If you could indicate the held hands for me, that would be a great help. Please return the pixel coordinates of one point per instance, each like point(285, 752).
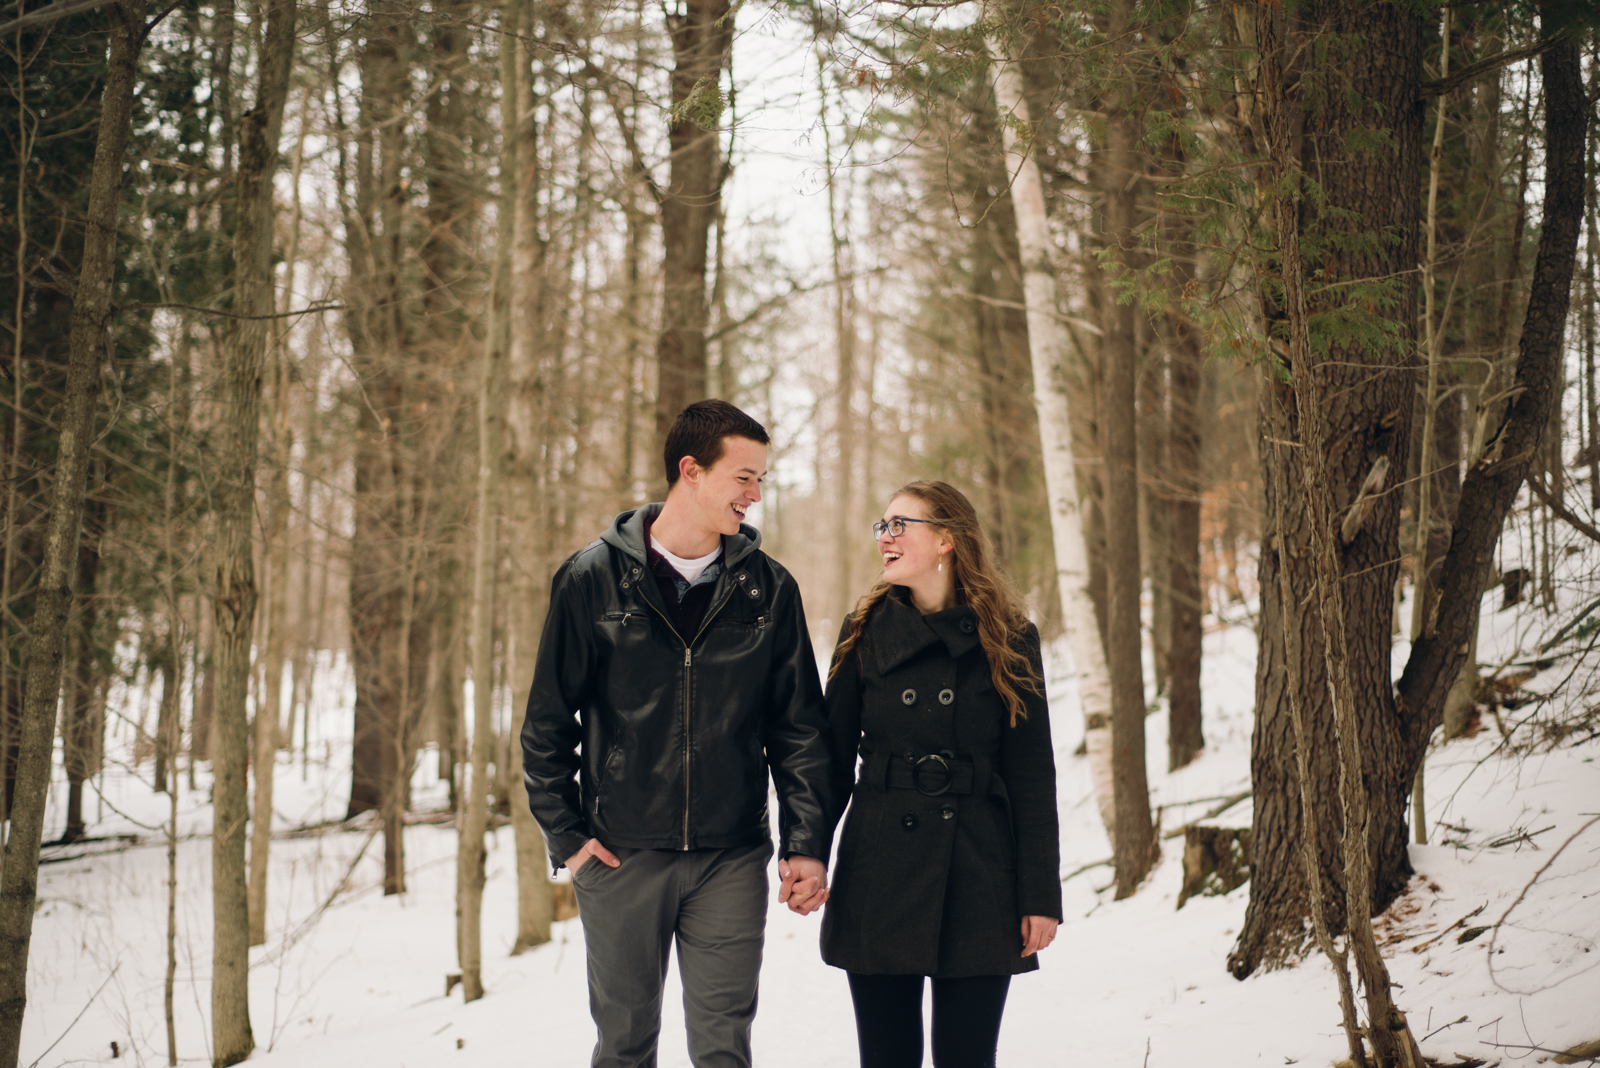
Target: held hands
point(805, 884)
point(592, 848)
point(1037, 933)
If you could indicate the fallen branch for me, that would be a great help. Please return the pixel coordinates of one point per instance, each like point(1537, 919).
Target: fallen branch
point(1210, 813)
point(1420, 946)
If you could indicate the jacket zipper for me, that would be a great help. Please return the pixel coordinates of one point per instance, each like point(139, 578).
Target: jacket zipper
point(688, 662)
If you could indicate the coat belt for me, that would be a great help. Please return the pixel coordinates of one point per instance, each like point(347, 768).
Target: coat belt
point(930, 774)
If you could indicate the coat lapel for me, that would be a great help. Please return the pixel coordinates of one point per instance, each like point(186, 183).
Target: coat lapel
point(898, 632)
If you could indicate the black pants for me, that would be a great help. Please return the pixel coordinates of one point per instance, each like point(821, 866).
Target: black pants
point(966, 1020)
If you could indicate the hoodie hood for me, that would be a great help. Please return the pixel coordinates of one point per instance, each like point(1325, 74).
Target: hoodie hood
point(627, 533)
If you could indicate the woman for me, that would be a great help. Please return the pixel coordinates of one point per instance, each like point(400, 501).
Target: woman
point(949, 866)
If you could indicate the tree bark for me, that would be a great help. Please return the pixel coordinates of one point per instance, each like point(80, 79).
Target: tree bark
point(1055, 436)
point(701, 36)
point(1392, 1042)
point(1181, 477)
point(82, 729)
point(1185, 733)
point(35, 738)
point(1368, 391)
point(277, 617)
point(1134, 846)
point(243, 357)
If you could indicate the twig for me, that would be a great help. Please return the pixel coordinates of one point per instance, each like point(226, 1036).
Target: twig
point(1560, 510)
point(1211, 813)
point(59, 10)
point(310, 921)
point(1442, 1027)
point(1420, 946)
point(1486, 65)
point(1524, 893)
point(228, 314)
point(76, 1018)
point(1087, 867)
point(1518, 836)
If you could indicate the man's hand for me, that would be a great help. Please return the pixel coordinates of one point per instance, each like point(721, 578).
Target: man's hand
point(805, 884)
point(591, 848)
point(1037, 933)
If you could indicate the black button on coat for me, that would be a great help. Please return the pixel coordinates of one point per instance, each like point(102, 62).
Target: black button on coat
point(938, 885)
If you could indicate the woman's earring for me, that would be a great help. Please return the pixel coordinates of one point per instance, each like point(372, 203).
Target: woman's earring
point(941, 563)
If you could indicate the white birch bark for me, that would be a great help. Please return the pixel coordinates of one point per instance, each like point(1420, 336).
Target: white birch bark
point(1055, 432)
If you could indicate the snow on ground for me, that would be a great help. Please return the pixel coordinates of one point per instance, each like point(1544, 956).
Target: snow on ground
point(1131, 983)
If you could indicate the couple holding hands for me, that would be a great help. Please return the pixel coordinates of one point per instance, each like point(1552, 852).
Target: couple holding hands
point(676, 674)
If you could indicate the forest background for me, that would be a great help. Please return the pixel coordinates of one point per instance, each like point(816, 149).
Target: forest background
point(336, 327)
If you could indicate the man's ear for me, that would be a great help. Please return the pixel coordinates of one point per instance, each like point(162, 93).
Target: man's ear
point(689, 471)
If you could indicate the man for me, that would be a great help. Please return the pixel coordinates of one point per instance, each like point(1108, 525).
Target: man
point(682, 649)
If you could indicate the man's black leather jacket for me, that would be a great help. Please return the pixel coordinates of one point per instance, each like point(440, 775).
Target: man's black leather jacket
point(677, 731)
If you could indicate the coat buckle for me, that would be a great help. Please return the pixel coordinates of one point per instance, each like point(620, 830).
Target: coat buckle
point(937, 766)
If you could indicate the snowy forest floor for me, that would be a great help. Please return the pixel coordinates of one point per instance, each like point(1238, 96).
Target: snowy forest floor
point(1132, 983)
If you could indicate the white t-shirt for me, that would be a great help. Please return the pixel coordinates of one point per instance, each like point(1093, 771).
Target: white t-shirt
point(689, 569)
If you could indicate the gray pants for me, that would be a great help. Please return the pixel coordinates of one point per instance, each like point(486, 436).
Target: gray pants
point(714, 901)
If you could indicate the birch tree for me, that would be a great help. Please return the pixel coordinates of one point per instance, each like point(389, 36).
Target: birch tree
point(1055, 433)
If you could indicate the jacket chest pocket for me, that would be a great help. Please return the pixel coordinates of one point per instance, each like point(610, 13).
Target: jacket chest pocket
point(622, 628)
point(734, 632)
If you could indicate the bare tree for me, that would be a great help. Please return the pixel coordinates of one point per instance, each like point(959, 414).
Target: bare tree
point(243, 358)
point(473, 796)
point(91, 308)
point(701, 35)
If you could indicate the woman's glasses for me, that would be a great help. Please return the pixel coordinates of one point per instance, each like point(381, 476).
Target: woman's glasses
point(896, 526)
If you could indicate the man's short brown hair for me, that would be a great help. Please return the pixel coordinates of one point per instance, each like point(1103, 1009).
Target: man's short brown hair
point(699, 431)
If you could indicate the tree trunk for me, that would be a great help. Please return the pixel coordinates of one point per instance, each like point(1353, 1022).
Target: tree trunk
point(701, 36)
point(381, 569)
point(533, 491)
point(1134, 844)
point(81, 729)
point(1055, 436)
point(473, 794)
point(1492, 481)
point(1392, 1042)
point(35, 737)
point(1367, 409)
point(244, 353)
point(277, 617)
point(845, 537)
point(1185, 738)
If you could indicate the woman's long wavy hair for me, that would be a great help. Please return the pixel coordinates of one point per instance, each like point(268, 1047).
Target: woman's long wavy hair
point(1002, 617)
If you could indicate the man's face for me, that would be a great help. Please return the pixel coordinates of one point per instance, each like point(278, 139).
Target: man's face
point(724, 491)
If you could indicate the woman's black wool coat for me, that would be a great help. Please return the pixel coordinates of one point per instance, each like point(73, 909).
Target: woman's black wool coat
point(933, 883)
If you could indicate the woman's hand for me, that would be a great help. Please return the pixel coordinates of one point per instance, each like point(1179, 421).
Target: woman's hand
point(1037, 933)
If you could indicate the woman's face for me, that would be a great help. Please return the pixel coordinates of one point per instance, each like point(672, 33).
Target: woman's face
point(915, 555)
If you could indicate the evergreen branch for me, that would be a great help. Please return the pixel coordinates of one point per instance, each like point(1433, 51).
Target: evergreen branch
point(1487, 65)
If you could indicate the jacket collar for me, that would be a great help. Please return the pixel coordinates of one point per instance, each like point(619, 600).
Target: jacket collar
point(899, 632)
point(627, 532)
